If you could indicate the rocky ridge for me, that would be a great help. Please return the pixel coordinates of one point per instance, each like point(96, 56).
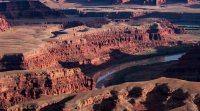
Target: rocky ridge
point(21, 86)
point(94, 47)
point(91, 48)
point(155, 95)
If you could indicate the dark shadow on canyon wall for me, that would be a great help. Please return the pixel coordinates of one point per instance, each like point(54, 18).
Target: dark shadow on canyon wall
point(194, 6)
point(94, 23)
point(57, 106)
point(190, 18)
point(93, 3)
point(72, 24)
point(135, 92)
point(56, 33)
point(107, 104)
point(197, 101)
point(177, 99)
point(11, 62)
point(161, 98)
point(116, 57)
point(187, 68)
point(156, 98)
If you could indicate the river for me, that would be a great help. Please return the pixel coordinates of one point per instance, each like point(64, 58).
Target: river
point(107, 73)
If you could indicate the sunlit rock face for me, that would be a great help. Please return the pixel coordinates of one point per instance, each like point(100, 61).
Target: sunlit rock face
point(3, 24)
point(21, 86)
point(162, 94)
point(94, 47)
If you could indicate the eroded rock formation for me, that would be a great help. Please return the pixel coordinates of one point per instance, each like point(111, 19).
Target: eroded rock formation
point(156, 95)
point(26, 9)
point(94, 47)
point(3, 24)
point(90, 48)
point(21, 86)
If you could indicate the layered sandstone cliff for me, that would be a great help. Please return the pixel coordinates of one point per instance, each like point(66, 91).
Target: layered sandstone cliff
point(21, 86)
point(88, 48)
point(155, 95)
point(3, 24)
point(94, 47)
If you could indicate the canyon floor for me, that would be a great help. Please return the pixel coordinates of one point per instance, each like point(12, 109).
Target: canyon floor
point(96, 56)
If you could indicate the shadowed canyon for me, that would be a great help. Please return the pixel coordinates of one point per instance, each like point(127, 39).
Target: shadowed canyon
point(92, 55)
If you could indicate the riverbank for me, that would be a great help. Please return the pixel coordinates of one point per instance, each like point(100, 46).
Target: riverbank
point(137, 73)
point(161, 51)
point(159, 61)
point(106, 76)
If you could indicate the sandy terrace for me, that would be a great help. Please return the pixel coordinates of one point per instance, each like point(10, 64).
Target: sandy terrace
point(24, 38)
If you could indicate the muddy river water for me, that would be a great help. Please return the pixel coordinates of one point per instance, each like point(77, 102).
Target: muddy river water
point(109, 72)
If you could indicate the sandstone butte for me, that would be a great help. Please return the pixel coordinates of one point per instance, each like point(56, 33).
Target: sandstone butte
point(155, 95)
point(94, 47)
point(3, 24)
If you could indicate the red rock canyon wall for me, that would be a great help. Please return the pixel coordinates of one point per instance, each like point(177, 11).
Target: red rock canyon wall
point(20, 86)
point(94, 47)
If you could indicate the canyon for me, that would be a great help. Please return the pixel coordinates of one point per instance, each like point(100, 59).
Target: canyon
point(94, 47)
point(43, 76)
point(82, 51)
point(51, 53)
point(162, 93)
